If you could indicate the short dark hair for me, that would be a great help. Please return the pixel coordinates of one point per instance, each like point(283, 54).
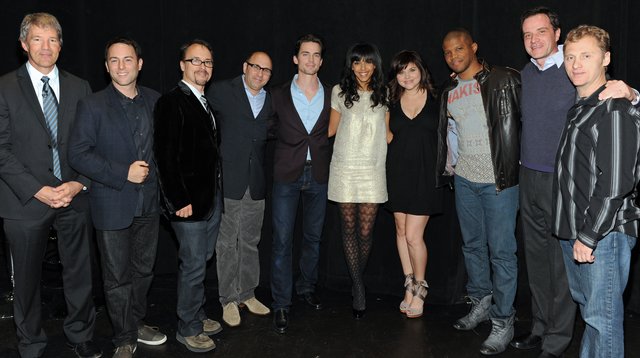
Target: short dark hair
point(125, 41)
point(185, 46)
point(458, 32)
point(309, 38)
point(554, 19)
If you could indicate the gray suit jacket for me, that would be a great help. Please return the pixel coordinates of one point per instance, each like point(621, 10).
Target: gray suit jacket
point(243, 138)
point(26, 161)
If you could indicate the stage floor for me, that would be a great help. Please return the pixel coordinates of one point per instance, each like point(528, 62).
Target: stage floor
point(331, 332)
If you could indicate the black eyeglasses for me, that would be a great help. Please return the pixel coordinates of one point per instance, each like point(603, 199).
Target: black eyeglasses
point(197, 62)
point(266, 71)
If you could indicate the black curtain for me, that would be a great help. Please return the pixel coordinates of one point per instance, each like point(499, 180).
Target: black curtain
point(237, 28)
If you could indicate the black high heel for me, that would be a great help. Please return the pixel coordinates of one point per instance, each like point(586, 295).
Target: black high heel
point(358, 314)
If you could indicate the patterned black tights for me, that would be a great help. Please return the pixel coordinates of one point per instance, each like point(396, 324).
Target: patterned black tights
point(357, 245)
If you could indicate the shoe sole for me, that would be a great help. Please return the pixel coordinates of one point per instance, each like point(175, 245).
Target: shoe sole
point(181, 339)
point(153, 343)
point(211, 333)
point(73, 348)
point(243, 306)
point(231, 325)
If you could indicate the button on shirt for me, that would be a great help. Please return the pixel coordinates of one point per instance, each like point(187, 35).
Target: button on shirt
point(140, 125)
point(308, 110)
point(257, 101)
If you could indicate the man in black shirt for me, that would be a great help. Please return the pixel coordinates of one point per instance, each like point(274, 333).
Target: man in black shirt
point(594, 191)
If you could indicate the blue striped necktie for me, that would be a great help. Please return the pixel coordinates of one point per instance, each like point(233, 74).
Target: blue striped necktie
point(50, 109)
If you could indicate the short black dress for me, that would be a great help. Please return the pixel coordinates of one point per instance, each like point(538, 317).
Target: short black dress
point(411, 161)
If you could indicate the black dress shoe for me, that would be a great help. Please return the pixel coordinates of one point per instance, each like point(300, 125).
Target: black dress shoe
point(280, 320)
point(357, 314)
point(311, 299)
point(86, 349)
point(544, 354)
point(526, 341)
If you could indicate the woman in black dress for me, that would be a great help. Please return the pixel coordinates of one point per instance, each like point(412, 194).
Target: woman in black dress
point(411, 181)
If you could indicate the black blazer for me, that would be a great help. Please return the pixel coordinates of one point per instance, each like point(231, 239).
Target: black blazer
point(102, 148)
point(243, 138)
point(186, 151)
point(292, 139)
point(26, 161)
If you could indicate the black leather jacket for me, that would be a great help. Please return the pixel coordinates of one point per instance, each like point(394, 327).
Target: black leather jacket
point(500, 90)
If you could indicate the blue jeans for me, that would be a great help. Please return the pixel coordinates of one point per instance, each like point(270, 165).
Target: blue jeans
point(285, 206)
point(488, 221)
point(598, 288)
point(127, 257)
point(197, 241)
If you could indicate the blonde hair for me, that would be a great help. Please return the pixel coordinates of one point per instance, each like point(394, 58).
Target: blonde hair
point(600, 35)
point(40, 19)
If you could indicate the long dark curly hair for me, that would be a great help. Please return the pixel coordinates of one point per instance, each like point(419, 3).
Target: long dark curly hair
point(349, 85)
point(400, 61)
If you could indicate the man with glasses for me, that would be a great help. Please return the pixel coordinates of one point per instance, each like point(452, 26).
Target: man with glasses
point(242, 107)
point(187, 156)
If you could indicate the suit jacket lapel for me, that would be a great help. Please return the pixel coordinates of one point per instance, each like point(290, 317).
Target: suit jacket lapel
point(241, 95)
point(29, 93)
point(196, 103)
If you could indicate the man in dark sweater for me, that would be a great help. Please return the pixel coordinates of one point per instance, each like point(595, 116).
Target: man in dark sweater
point(547, 95)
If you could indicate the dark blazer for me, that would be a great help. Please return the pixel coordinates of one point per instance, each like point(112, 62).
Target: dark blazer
point(187, 154)
point(292, 139)
point(243, 138)
point(26, 161)
point(101, 147)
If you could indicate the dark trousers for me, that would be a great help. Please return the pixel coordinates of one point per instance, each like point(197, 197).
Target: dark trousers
point(127, 257)
point(197, 240)
point(552, 307)
point(285, 206)
point(28, 242)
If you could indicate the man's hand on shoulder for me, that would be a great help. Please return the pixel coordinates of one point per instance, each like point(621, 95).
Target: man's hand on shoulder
point(619, 89)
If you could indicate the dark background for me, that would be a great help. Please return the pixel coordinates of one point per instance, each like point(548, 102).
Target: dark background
point(237, 28)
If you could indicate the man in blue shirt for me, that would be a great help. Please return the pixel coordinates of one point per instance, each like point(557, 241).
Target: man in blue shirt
point(301, 169)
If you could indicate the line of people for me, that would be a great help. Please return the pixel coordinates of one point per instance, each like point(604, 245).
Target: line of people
point(117, 159)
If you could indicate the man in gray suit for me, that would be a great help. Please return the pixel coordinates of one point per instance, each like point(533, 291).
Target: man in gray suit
point(112, 144)
point(242, 106)
point(39, 190)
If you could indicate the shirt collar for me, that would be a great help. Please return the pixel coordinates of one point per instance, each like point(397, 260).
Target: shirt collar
point(295, 86)
point(591, 100)
point(193, 89)
point(35, 74)
point(555, 59)
point(248, 90)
